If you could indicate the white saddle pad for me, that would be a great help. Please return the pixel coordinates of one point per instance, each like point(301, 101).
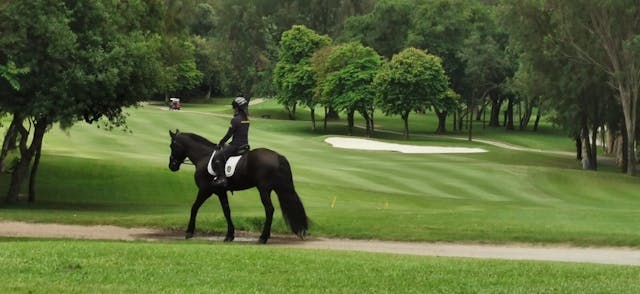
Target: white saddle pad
point(229, 167)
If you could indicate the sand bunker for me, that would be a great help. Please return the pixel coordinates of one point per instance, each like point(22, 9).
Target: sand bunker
point(366, 144)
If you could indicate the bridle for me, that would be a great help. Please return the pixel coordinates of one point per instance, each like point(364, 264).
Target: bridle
point(172, 160)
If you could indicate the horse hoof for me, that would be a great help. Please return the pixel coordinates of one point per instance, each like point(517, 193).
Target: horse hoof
point(188, 235)
point(263, 240)
point(229, 238)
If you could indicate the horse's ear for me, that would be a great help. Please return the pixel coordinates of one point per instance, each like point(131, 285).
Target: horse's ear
point(177, 131)
point(172, 134)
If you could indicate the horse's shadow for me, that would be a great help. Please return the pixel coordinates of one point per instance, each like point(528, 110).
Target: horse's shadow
point(242, 238)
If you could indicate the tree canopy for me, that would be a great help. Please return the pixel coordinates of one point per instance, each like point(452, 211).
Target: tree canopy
point(85, 62)
point(412, 81)
point(293, 75)
point(350, 70)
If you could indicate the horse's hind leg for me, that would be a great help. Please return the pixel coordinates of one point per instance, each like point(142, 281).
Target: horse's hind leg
point(194, 212)
point(265, 196)
point(224, 202)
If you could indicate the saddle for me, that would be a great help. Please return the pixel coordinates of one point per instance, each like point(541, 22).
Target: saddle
point(231, 159)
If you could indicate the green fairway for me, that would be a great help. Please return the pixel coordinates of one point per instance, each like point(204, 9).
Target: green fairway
point(116, 267)
point(92, 176)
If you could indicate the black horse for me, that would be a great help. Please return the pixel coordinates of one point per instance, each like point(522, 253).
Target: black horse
point(261, 168)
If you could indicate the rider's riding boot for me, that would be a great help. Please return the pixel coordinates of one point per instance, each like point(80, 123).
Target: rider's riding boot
point(220, 179)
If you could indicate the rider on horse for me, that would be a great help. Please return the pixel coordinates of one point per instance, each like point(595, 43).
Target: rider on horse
point(239, 130)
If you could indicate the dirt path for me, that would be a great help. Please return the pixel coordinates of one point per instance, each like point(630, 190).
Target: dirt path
point(620, 256)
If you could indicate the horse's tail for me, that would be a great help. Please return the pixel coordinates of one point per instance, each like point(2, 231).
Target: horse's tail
point(292, 208)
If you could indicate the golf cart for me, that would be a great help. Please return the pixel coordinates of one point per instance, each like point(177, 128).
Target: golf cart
point(174, 103)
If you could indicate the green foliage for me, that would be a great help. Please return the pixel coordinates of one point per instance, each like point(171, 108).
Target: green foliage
point(293, 75)
point(384, 29)
point(449, 101)
point(180, 70)
point(440, 27)
point(86, 62)
point(584, 46)
point(83, 62)
point(10, 72)
point(412, 81)
point(349, 73)
point(352, 68)
point(244, 39)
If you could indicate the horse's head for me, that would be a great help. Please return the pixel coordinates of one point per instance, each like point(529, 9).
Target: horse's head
point(178, 152)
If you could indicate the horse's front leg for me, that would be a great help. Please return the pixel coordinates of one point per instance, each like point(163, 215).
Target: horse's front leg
point(265, 196)
point(224, 202)
point(202, 196)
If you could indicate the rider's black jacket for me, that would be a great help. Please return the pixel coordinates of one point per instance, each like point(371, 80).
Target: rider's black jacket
point(239, 129)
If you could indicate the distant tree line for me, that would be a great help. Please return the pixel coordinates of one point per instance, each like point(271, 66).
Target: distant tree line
point(505, 62)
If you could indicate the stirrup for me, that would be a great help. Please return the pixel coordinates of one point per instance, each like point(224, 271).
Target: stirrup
point(219, 181)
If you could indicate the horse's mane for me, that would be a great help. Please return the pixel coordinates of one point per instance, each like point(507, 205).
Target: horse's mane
point(199, 139)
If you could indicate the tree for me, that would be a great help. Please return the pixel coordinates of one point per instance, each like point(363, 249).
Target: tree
point(616, 28)
point(351, 69)
point(208, 64)
point(464, 34)
point(180, 71)
point(85, 63)
point(411, 81)
point(441, 27)
point(293, 75)
point(449, 101)
point(488, 65)
point(321, 69)
point(599, 34)
point(243, 35)
point(384, 29)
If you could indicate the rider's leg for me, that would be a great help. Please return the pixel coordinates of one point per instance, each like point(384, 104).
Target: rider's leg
point(220, 178)
point(219, 163)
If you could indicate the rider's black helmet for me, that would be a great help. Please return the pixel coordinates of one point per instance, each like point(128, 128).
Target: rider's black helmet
point(239, 102)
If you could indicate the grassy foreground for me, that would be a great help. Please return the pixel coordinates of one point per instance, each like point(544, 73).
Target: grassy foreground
point(30, 266)
point(91, 176)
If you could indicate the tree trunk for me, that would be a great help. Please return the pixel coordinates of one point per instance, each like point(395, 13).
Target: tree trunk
point(484, 116)
point(313, 118)
point(455, 121)
point(405, 118)
point(207, 95)
point(578, 147)
point(496, 104)
point(625, 146)
point(326, 111)
point(509, 123)
point(587, 162)
point(10, 138)
point(333, 114)
point(526, 117)
point(535, 125)
point(594, 148)
point(20, 170)
point(26, 155)
point(470, 126)
point(590, 161)
point(32, 177)
point(367, 122)
point(442, 122)
point(373, 111)
point(350, 121)
point(631, 145)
